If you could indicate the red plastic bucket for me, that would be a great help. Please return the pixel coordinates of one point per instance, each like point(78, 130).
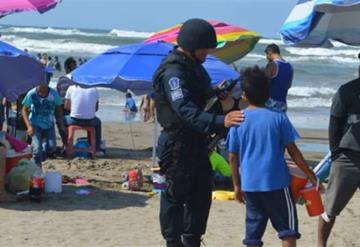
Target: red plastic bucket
point(313, 201)
point(298, 180)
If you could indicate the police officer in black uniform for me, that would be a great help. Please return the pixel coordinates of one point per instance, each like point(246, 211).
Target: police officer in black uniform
point(182, 88)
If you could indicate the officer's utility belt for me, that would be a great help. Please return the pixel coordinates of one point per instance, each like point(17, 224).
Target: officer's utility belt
point(186, 136)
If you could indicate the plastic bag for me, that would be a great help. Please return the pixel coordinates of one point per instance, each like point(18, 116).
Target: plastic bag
point(18, 179)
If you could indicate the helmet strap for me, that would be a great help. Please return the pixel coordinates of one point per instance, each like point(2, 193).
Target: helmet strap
point(192, 53)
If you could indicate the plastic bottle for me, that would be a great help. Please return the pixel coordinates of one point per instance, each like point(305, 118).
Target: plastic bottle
point(36, 188)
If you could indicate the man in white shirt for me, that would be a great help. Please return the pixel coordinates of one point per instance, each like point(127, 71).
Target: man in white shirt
point(83, 103)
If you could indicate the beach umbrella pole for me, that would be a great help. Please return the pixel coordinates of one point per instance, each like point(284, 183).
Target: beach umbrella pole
point(155, 135)
point(132, 135)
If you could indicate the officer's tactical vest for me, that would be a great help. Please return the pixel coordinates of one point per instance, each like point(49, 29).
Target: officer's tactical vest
point(201, 88)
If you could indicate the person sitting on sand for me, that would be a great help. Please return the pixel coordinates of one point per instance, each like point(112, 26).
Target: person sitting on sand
point(256, 154)
point(130, 104)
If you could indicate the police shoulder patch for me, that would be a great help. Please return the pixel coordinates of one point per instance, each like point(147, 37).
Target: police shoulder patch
point(174, 83)
point(177, 94)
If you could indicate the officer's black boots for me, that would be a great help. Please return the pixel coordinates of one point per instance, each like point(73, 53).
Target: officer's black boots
point(187, 241)
point(191, 240)
point(174, 244)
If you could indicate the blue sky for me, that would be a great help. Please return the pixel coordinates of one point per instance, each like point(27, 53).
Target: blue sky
point(263, 16)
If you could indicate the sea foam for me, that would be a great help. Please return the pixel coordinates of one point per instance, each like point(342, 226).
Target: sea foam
point(57, 46)
point(75, 32)
point(130, 34)
point(324, 52)
point(311, 91)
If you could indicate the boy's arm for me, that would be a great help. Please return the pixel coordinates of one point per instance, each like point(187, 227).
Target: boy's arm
point(25, 113)
point(299, 160)
point(234, 161)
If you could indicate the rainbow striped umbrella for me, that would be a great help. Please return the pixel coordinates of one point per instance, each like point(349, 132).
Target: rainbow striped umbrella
point(8, 7)
point(233, 42)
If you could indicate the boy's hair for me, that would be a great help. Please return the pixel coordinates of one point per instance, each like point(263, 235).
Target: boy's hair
point(128, 95)
point(68, 62)
point(255, 84)
point(273, 48)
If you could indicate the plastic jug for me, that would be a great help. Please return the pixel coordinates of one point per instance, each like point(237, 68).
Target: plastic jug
point(53, 182)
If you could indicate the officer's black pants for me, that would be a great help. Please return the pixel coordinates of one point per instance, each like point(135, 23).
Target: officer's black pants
point(185, 205)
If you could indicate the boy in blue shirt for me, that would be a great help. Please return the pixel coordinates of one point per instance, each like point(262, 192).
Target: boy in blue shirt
point(256, 154)
point(40, 106)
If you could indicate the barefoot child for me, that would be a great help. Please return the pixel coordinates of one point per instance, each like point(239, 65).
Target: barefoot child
point(260, 175)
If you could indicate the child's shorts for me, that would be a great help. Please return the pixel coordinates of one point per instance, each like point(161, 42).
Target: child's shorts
point(278, 206)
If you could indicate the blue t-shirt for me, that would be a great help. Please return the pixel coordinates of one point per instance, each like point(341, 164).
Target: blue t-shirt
point(42, 108)
point(130, 104)
point(260, 143)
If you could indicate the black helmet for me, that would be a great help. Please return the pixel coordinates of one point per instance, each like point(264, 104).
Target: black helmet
point(196, 34)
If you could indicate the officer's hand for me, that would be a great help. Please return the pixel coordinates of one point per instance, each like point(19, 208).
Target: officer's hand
point(233, 118)
point(223, 95)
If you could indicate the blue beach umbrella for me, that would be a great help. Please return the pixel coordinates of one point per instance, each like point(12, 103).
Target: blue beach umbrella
point(132, 67)
point(316, 22)
point(19, 71)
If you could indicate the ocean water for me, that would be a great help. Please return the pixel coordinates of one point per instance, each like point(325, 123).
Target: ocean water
point(318, 71)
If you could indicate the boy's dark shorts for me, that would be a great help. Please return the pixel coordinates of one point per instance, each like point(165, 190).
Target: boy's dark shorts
point(278, 206)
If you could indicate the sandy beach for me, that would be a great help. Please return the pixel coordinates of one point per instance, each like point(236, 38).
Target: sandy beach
point(114, 217)
point(309, 49)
